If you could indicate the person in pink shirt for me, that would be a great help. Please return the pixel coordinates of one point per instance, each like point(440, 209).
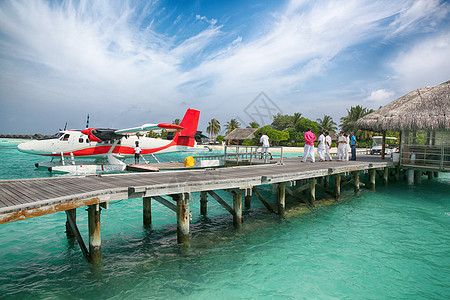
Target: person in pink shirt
point(309, 145)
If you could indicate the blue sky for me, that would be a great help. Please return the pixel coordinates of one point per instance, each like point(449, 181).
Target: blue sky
point(132, 62)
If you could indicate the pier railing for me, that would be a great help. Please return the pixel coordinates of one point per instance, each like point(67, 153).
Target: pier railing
point(429, 150)
point(250, 154)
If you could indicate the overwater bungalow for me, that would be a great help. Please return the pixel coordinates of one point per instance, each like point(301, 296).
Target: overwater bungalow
point(423, 119)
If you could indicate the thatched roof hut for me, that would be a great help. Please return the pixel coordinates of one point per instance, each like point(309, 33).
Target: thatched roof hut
point(427, 108)
point(241, 134)
point(423, 119)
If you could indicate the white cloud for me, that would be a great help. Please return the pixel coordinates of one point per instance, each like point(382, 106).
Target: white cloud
point(418, 11)
point(380, 95)
point(425, 63)
point(94, 56)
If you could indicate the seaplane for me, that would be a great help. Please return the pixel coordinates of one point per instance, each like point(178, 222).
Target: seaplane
point(108, 148)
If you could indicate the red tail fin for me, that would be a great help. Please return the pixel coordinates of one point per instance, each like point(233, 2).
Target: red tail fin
point(190, 122)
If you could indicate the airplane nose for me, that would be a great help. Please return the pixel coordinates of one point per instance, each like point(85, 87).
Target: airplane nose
point(26, 147)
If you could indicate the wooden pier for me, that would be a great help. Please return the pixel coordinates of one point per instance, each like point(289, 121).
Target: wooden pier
point(28, 198)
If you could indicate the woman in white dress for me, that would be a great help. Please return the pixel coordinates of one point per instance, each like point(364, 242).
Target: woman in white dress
point(342, 142)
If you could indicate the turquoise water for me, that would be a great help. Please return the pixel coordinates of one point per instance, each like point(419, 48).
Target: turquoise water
point(389, 244)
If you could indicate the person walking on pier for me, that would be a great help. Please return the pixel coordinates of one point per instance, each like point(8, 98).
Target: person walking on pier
point(353, 145)
point(265, 142)
point(137, 153)
point(328, 146)
point(309, 145)
point(321, 146)
point(347, 147)
point(342, 142)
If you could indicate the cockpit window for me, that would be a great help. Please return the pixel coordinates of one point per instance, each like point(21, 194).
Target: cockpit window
point(65, 137)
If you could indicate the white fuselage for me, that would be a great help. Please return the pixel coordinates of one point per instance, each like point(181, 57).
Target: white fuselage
point(73, 142)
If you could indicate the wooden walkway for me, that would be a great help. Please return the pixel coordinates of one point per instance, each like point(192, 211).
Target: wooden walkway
point(26, 198)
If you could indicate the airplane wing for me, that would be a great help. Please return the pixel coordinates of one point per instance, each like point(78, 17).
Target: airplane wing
point(149, 127)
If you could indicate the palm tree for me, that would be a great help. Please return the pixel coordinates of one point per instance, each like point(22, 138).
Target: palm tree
point(253, 125)
point(353, 115)
point(176, 121)
point(232, 125)
point(327, 123)
point(213, 127)
point(296, 119)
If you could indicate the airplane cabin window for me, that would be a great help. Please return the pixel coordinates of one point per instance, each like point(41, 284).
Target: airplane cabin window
point(87, 140)
point(80, 140)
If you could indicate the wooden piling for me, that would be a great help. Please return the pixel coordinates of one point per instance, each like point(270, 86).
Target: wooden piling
point(372, 174)
point(327, 182)
point(410, 177)
point(320, 180)
point(248, 200)
point(182, 218)
point(418, 176)
point(337, 187)
point(312, 190)
point(385, 176)
point(237, 207)
point(397, 174)
point(281, 195)
point(430, 175)
point(69, 232)
point(203, 203)
point(95, 240)
point(356, 181)
point(436, 174)
point(147, 211)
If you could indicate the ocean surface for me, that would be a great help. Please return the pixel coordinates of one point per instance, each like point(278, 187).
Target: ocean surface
point(390, 244)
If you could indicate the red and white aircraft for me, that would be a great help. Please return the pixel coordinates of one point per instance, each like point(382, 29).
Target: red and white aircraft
point(107, 145)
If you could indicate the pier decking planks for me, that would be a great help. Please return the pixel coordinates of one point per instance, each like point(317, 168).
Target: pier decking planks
point(17, 195)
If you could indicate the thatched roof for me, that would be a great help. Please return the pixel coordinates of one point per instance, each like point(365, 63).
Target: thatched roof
point(424, 108)
point(241, 134)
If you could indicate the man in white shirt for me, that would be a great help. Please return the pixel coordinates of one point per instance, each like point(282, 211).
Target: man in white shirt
point(264, 140)
point(137, 153)
point(328, 146)
point(321, 146)
point(342, 146)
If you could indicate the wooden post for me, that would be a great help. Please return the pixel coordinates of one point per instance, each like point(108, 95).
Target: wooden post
point(69, 232)
point(281, 195)
point(237, 207)
point(182, 219)
point(337, 187)
point(312, 190)
point(436, 174)
point(356, 176)
point(327, 182)
point(386, 176)
point(430, 175)
point(383, 144)
point(372, 174)
point(304, 182)
point(418, 176)
point(410, 177)
point(320, 180)
point(147, 211)
point(248, 199)
point(95, 240)
point(397, 174)
point(203, 203)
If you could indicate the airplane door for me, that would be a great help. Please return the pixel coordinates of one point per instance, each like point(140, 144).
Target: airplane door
point(63, 144)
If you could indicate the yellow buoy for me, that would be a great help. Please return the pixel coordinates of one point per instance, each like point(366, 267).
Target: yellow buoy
point(189, 162)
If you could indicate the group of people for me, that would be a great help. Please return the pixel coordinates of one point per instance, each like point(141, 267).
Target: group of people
point(345, 144)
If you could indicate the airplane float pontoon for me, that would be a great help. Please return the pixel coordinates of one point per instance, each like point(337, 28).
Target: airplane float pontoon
point(108, 147)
